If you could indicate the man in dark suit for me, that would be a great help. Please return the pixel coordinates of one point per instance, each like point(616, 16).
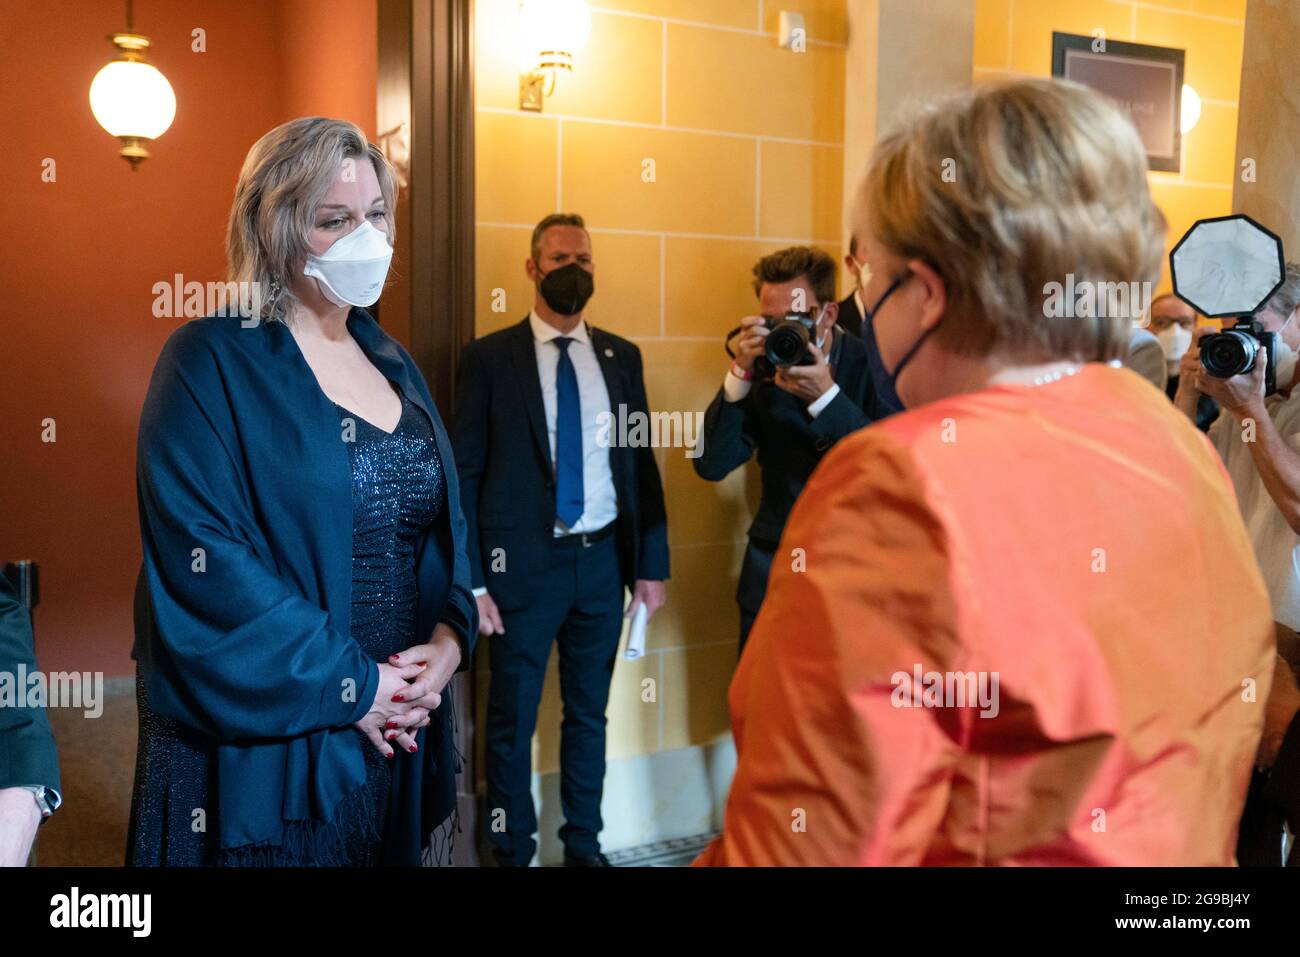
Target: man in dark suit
point(560, 520)
point(850, 319)
point(29, 761)
point(791, 419)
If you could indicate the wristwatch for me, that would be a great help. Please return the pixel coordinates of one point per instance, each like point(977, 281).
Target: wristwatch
point(41, 793)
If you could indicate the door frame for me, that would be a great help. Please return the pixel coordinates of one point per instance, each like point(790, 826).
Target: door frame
point(425, 121)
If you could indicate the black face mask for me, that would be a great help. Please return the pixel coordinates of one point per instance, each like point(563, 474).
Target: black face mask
point(869, 322)
point(567, 289)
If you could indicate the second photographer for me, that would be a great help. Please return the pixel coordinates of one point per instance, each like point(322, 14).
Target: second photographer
point(1251, 371)
point(1259, 437)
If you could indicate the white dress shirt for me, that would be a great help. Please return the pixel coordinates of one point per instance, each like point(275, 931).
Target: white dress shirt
point(1277, 546)
point(600, 500)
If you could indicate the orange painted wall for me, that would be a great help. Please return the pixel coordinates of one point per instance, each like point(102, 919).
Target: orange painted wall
point(78, 339)
point(323, 67)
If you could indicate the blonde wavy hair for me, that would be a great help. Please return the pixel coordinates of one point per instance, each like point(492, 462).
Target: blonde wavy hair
point(284, 179)
point(1006, 189)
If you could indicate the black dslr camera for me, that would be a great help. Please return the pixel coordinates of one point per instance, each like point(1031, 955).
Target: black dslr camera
point(787, 342)
point(1234, 352)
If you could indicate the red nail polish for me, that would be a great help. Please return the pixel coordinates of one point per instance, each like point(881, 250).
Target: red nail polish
point(389, 755)
point(390, 725)
point(414, 749)
point(398, 697)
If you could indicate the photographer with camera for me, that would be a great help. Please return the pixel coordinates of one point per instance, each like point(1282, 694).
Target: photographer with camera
point(796, 386)
point(1250, 370)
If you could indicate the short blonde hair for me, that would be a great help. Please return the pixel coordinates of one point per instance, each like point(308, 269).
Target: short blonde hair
point(284, 179)
point(1004, 190)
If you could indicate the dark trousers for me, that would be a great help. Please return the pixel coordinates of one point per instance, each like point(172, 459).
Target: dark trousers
point(581, 605)
point(754, 570)
point(1259, 838)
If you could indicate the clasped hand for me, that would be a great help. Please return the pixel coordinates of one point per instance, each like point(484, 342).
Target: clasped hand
point(410, 687)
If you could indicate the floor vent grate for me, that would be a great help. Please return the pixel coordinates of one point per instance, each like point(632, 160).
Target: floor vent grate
point(678, 852)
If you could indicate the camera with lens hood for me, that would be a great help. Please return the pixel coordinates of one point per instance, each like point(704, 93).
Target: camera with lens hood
point(1235, 350)
point(786, 344)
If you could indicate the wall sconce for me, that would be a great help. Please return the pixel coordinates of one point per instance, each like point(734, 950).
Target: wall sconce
point(550, 33)
point(791, 32)
point(130, 98)
point(1191, 110)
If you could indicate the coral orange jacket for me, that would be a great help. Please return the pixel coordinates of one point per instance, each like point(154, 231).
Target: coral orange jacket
point(1017, 626)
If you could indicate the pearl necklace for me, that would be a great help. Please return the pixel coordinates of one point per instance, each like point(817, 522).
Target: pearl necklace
point(1074, 369)
point(1057, 375)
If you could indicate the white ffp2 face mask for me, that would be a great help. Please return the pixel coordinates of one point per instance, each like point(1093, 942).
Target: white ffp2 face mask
point(1175, 340)
point(352, 271)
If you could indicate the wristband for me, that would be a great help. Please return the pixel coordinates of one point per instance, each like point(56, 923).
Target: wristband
point(740, 373)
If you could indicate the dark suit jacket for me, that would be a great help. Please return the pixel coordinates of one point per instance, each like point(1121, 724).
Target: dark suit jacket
point(27, 752)
point(849, 317)
point(789, 442)
point(1207, 410)
point(851, 321)
point(507, 479)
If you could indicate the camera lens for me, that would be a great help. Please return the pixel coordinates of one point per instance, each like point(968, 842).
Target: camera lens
point(1226, 354)
point(786, 343)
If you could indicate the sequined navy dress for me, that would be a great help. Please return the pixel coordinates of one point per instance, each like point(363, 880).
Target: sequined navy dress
point(398, 489)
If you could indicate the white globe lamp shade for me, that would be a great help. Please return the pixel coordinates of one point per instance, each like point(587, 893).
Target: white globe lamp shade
point(131, 99)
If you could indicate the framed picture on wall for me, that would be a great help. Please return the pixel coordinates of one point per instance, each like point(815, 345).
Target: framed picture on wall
point(1146, 81)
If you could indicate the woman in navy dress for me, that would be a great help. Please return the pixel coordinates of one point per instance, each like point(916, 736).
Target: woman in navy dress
point(304, 598)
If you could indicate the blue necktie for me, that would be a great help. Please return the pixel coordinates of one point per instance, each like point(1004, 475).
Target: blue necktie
point(569, 500)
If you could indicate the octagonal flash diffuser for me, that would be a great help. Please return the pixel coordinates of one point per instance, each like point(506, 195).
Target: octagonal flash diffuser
point(1227, 266)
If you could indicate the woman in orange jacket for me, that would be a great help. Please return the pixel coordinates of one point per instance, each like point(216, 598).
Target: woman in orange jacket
point(962, 657)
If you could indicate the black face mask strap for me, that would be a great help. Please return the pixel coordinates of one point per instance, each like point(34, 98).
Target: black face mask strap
point(893, 286)
point(916, 347)
point(870, 315)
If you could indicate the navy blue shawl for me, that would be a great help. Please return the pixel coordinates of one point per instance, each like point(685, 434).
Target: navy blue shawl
point(241, 456)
